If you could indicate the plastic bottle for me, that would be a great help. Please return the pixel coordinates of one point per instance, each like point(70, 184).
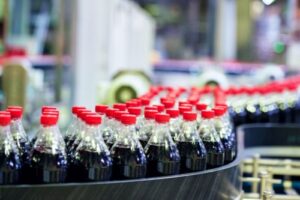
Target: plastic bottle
point(118, 128)
point(92, 158)
point(69, 135)
point(22, 142)
point(108, 129)
point(175, 122)
point(199, 108)
point(137, 111)
point(10, 163)
point(211, 140)
point(191, 148)
point(161, 151)
point(129, 160)
point(224, 134)
point(146, 130)
point(48, 158)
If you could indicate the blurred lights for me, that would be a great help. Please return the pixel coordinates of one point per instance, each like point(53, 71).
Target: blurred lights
point(268, 2)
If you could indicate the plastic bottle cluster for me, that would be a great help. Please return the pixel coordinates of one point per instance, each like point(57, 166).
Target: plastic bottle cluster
point(276, 102)
point(137, 139)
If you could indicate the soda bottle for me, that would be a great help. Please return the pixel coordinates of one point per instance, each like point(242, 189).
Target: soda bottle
point(211, 140)
point(79, 134)
point(10, 163)
point(92, 160)
point(224, 134)
point(161, 151)
point(137, 111)
point(175, 122)
point(108, 129)
point(129, 160)
point(118, 128)
point(22, 142)
point(192, 151)
point(48, 157)
point(199, 108)
point(146, 130)
point(56, 127)
point(69, 136)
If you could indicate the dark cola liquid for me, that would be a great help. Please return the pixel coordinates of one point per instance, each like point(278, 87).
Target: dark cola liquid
point(253, 114)
point(9, 168)
point(192, 156)
point(229, 150)
point(128, 163)
point(48, 168)
point(162, 160)
point(215, 154)
point(24, 153)
point(92, 166)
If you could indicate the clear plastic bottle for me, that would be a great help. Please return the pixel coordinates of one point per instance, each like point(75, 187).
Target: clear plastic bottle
point(224, 133)
point(161, 151)
point(146, 130)
point(137, 111)
point(211, 140)
point(129, 160)
point(108, 129)
point(69, 135)
point(175, 122)
point(192, 151)
point(118, 128)
point(92, 160)
point(22, 142)
point(10, 164)
point(199, 108)
point(48, 157)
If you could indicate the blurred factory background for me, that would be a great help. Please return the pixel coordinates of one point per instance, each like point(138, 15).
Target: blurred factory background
point(65, 52)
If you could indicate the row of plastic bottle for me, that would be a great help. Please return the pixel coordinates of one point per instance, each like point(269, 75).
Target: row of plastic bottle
point(275, 102)
point(128, 141)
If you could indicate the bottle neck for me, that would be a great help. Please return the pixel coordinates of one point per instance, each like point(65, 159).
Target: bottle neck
point(161, 134)
point(207, 131)
point(188, 132)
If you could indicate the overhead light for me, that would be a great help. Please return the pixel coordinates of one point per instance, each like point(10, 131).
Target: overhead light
point(268, 2)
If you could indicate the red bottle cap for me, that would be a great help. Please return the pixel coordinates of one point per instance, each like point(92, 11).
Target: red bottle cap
point(201, 106)
point(132, 104)
point(84, 113)
point(219, 111)
point(52, 112)
point(4, 119)
point(76, 108)
point(180, 103)
point(183, 109)
point(15, 113)
point(137, 101)
point(168, 103)
point(135, 111)
point(173, 113)
point(44, 108)
point(160, 107)
point(118, 114)
point(207, 114)
point(162, 118)
point(145, 101)
point(150, 114)
point(4, 113)
point(48, 120)
point(151, 108)
point(190, 116)
point(101, 108)
point(128, 119)
point(120, 106)
point(15, 107)
point(193, 100)
point(110, 112)
point(93, 119)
